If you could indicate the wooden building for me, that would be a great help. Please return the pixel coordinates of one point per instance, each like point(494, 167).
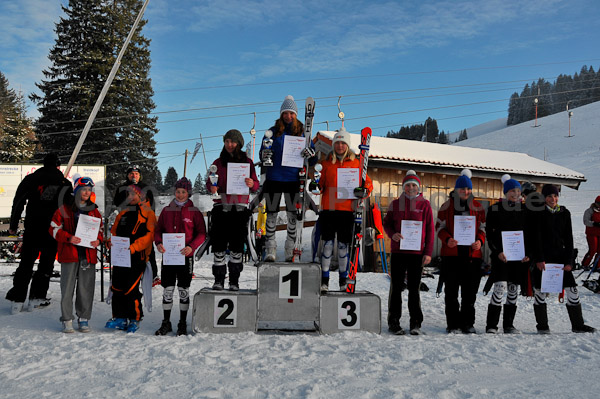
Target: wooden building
point(438, 167)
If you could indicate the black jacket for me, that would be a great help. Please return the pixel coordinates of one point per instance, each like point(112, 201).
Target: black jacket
point(43, 191)
point(504, 216)
point(554, 241)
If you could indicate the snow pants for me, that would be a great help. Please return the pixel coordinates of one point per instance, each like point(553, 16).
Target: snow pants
point(77, 278)
point(34, 245)
point(126, 299)
point(464, 273)
point(593, 248)
point(406, 266)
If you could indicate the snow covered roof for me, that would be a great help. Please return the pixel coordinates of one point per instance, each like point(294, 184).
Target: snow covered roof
point(446, 156)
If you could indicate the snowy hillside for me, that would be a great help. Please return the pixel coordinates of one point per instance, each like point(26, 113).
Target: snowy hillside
point(481, 129)
point(550, 141)
point(36, 359)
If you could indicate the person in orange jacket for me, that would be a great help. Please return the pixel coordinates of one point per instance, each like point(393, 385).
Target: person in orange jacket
point(77, 259)
point(137, 222)
point(338, 204)
point(461, 263)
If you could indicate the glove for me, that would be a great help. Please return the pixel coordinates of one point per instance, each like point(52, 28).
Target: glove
point(313, 187)
point(596, 224)
point(266, 154)
point(308, 152)
point(361, 192)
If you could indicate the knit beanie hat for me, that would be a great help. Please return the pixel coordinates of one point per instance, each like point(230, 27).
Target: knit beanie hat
point(234, 135)
point(341, 135)
point(289, 105)
point(549, 189)
point(411, 177)
point(464, 180)
point(597, 201)
point(184, 183)
point(509, 183)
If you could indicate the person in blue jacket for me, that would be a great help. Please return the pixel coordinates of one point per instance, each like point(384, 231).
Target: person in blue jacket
point(282, 180)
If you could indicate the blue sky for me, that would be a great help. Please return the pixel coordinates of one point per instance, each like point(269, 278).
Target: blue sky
point(395, 63)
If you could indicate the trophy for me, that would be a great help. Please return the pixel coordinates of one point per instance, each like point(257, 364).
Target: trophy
point(267, 144)
point(214, 179)
point(316, 177)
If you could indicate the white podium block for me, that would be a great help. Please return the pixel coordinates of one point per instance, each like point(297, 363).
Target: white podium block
point(341, 311)
point(224, 311)
point(288, 296)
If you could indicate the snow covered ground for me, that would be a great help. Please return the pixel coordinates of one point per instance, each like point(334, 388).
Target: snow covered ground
point(37, 360)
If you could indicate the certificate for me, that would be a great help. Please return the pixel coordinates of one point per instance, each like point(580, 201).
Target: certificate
point(464, 229)
point(513, 245)
point(292, 151)
point(87, 229)
point(120, 255)
point(173, 244)
point(412, 231)
point(236, 174)
point(347, 181)
point(552, 278)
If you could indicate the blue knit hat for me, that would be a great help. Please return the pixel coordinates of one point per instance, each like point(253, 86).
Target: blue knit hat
point(509, 183)
point(289, 105)
point(464, 180)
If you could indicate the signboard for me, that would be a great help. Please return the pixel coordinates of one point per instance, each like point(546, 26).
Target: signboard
point(12, 174)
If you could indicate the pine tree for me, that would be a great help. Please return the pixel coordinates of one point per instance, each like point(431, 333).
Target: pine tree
point(170, 179)
point(200, 184)
point(463, 135)
point(88, 41)
point(17, 139)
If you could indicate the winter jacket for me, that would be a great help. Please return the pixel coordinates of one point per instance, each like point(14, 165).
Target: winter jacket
point(445, 224)
point(328, 184)
point(138, 223)
point(404, 208)
point(505, 216)
point(277, 172)
point(591, 216)
point(63, 227)
point(554, 243)
point(177, 219)
point(221, 164)
point(43, 191)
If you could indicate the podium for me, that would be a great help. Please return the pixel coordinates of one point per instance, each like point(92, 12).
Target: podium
point(287, 298)
point(341, 312)
point(224, 311)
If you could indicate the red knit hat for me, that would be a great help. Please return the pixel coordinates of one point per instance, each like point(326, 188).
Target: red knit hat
point(597, 200)
point(411, 177)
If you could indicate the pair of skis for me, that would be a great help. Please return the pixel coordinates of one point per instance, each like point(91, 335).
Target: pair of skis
point(354, 250)
point(301, 205)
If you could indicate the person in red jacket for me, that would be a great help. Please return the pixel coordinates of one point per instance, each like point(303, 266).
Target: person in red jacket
point(338, 204)
point(181, 216)
point(461, 260)
point(591, 220)
point(410, 206)
point(77, 258)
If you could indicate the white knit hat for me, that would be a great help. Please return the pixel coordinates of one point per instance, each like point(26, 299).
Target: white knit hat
point(341, 135)
point(289, 105)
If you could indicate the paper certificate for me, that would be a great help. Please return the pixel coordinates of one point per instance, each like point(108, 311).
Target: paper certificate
point(412, 231)
point(173, 244)
point(513, 245)
point(236, 173)
point(347, 181)
point(552, 278)
point(292, 151)
point(119, 252)
point(464, 229)
point(87, 229)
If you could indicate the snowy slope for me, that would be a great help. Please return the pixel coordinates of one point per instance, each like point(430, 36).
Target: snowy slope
point(581, 152)
point(483, 128)
point(36, 359)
